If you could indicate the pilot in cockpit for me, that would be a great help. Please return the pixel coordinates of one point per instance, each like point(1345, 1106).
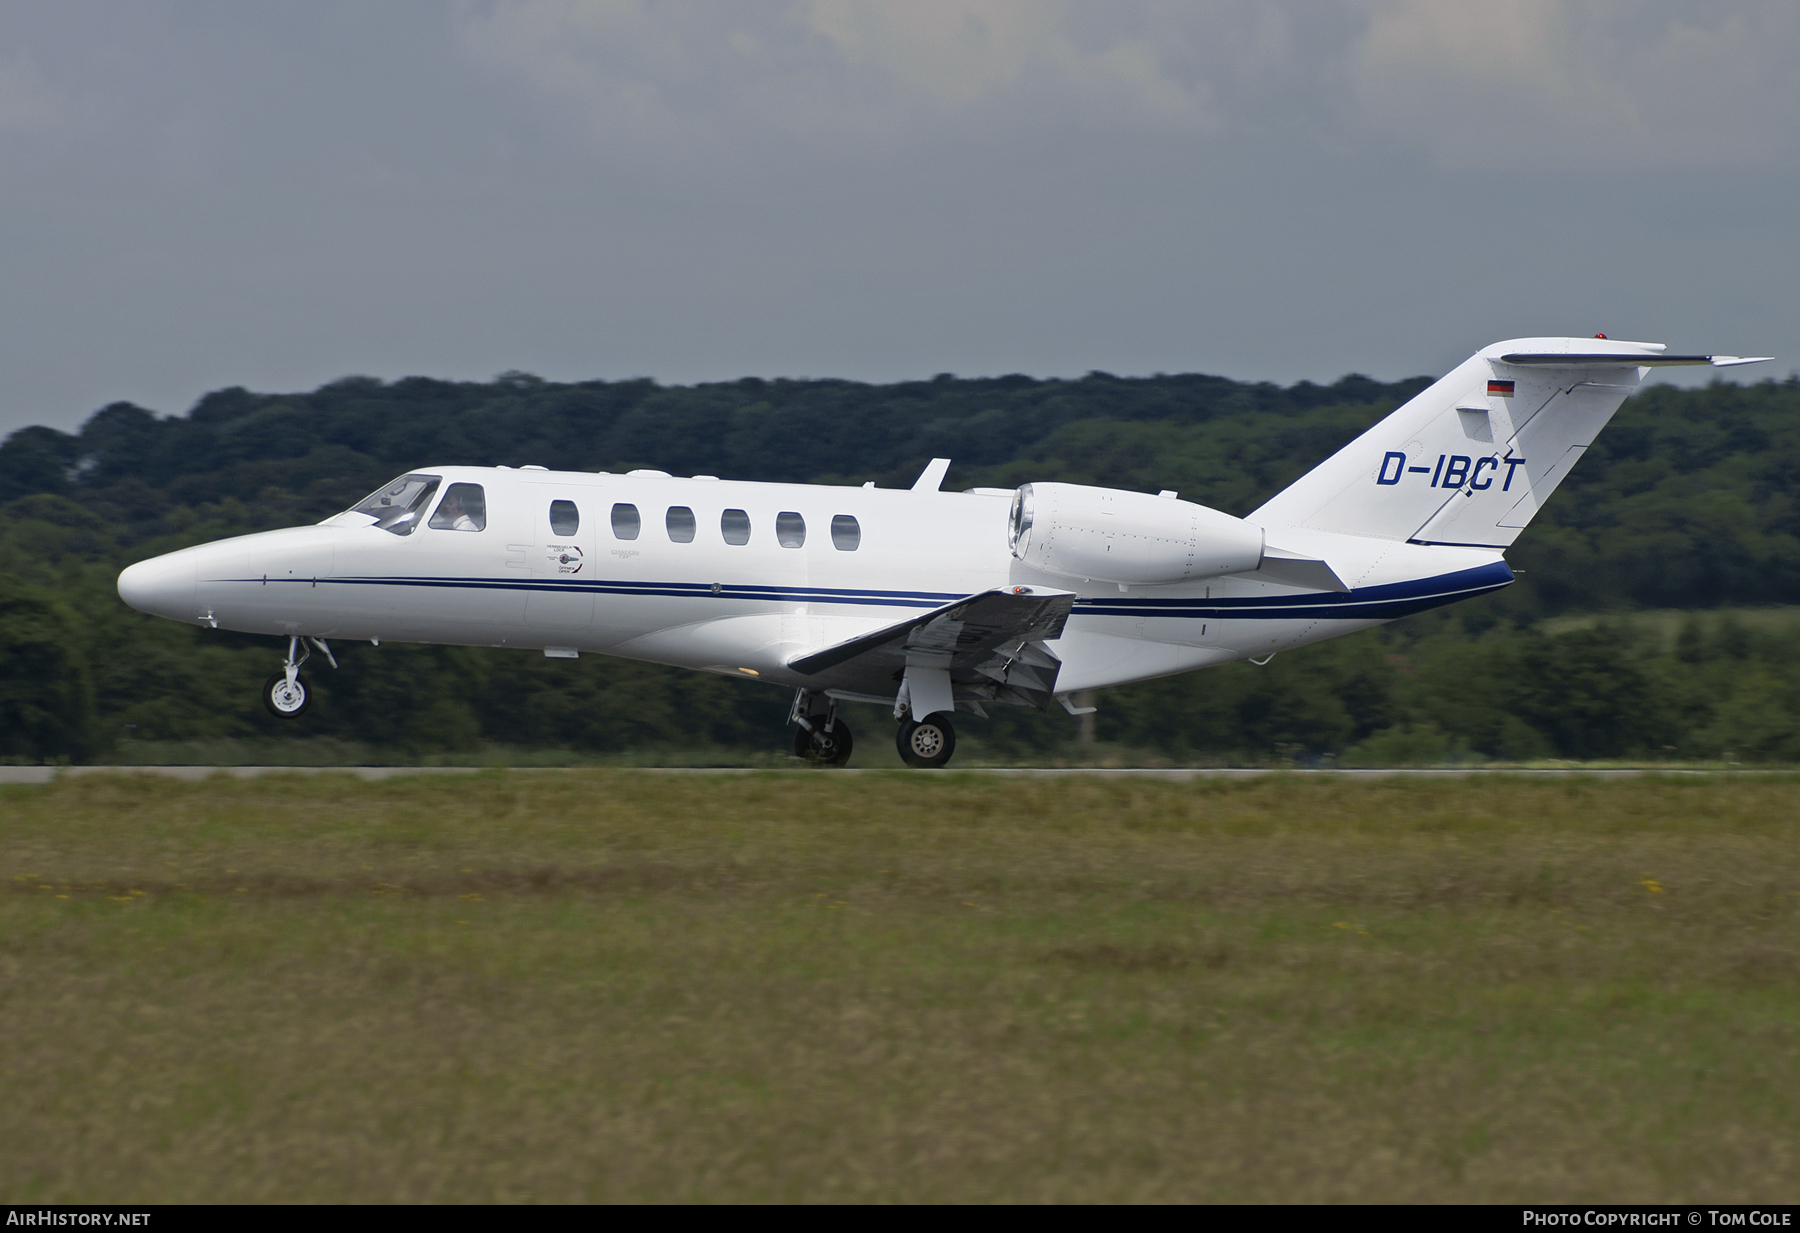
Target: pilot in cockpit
point(463, 509)
point(454, 514)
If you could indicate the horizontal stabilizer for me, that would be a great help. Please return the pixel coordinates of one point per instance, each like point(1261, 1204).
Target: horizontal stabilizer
point(1564, 359)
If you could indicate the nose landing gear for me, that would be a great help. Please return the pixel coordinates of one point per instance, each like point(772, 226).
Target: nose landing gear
point(286, 694)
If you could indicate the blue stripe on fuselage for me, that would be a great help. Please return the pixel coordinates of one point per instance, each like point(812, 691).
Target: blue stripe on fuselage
point(1385, 602)
point(686, 590)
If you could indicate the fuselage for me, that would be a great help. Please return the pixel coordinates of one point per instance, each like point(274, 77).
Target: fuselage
point(742, 577)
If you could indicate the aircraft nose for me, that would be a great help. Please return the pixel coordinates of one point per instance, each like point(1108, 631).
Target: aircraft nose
point(162, 586)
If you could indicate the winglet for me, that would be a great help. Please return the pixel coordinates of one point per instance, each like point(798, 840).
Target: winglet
point(932, 477)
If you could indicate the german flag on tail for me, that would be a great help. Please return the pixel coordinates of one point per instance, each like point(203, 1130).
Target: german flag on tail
point(1500, 389)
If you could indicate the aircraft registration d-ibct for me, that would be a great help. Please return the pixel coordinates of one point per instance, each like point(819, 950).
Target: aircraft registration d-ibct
point(929, 602)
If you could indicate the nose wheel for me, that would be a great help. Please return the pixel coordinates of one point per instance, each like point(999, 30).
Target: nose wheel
point(286, 694)
point(928, 743)
point(287, 698)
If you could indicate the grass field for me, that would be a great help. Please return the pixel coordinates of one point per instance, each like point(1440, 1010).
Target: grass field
point(612, 985)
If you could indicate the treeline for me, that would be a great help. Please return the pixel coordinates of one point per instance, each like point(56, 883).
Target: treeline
point(1687, 501)
point(1431, 689)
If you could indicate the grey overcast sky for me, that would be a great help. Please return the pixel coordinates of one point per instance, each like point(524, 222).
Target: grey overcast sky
point(199, 194)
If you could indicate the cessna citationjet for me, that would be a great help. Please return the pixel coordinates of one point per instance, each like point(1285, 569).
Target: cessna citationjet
point(929, 602)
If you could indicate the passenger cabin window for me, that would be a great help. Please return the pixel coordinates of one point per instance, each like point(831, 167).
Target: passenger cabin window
point(398, 507)
point(734, 525)
point(565, 519)
point(790, 529)
point(463, 508)
point(625, 521)
point(681, 524)
point(845, 534)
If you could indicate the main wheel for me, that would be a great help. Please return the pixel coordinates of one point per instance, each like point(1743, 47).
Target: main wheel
point(285, 701)
point(928, 743)
point(825, 748)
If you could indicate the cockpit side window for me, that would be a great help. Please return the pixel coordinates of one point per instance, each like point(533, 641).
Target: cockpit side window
point(398, 507)
point(464, 508)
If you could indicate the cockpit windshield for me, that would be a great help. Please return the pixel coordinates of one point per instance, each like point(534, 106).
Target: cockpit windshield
point(399, 506)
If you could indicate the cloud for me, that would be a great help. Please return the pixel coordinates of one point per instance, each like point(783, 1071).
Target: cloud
point(1598, 85)
point(958, 53)
point(1556, 84)
point(848, 66)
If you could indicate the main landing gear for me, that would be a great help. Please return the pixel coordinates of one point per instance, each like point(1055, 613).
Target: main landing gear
point(928, 743)
point(286, 693)
point(823, 739)
point(820, 737)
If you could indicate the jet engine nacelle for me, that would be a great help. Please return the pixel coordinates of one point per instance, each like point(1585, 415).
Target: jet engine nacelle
point(1107, 535)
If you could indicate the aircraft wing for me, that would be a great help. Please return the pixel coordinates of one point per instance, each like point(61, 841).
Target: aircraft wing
point(991, 643)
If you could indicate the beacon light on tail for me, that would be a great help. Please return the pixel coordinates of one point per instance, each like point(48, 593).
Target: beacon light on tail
point(928, 602)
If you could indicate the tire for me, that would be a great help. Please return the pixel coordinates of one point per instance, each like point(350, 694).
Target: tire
point(927, 744)
point(280, 702)
point(822, 748)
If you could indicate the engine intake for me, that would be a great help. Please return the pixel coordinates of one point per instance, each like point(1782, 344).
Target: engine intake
point(1108, 535)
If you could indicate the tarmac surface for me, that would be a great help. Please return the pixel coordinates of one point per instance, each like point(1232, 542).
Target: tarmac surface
point(47, 774)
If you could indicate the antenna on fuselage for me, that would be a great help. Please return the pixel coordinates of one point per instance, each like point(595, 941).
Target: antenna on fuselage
point(932, 477)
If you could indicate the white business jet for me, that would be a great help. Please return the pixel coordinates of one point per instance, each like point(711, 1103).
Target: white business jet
point(929, 602)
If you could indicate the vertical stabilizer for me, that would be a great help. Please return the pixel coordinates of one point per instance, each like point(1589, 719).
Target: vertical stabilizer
point(1472, 458)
